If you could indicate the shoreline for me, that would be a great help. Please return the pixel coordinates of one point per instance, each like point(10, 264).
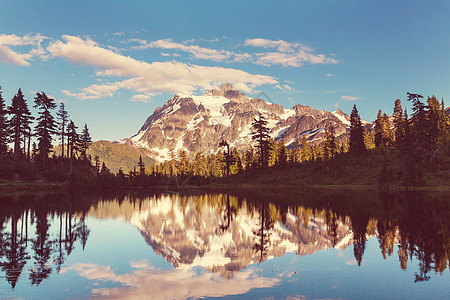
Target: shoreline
point(39, 186)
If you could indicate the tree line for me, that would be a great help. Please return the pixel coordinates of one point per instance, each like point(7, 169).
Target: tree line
point(31, 137)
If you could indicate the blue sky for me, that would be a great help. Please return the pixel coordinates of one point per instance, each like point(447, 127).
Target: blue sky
point(114, 62)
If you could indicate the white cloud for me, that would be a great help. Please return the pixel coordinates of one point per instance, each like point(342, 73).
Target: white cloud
point(8, 55)
point(147, 78)
point(141, 98)
point(95, 91)
point(168, 284)
point(283, 87)
point(349, 98)
point(288, 54)
point(329, 74)
point(196, 51)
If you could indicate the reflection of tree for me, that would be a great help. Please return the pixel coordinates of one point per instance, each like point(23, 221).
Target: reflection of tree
point(228, 214)
point(359, 225)
point(262, 235)
point(42, 249)
point(15, 253)
point(14, 246)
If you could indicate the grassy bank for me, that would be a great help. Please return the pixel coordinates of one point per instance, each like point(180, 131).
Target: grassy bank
point(375, 170)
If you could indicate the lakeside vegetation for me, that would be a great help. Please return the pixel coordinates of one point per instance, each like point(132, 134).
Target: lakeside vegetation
point(398, 151)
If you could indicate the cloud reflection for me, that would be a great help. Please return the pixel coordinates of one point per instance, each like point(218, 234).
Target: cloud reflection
point(144, 282)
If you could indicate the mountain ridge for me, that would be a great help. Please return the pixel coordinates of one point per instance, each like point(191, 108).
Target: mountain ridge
point(198, 123)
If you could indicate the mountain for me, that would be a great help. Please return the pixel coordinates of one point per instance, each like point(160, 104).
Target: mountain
point(199, 123)
point(118, 156)
point(115, 155)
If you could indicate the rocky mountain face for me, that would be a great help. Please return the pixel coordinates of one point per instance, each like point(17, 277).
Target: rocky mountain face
point(199, 123)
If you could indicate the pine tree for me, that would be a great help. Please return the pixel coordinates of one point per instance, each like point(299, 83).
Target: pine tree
point(356, 142)
point(85, 141)
point(306, 150)
point(272, 153)
point(369, 140)
point(399, 123)
point(282, 153)
point(63, 118)
point(260, 133)
point(383, 132)
point(419, 126)
point(330, 146)
point(296, 151)
point(248, 158)
point(72, 139)
point(19, 123)
point(3, 127)
point(46, 125)
point(141, 166)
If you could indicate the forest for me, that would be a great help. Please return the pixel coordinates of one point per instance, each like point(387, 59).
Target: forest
point(396, 150)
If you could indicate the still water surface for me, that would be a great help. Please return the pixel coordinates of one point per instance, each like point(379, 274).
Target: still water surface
point(243, 245)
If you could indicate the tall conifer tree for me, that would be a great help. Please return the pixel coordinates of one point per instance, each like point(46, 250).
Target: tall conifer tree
point(356, 142)
point(63, 118)
point(46, 126)
point(3, 127)
point(260, 133)
point(19, 122)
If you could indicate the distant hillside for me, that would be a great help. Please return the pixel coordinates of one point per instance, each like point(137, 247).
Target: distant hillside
point(116, 155)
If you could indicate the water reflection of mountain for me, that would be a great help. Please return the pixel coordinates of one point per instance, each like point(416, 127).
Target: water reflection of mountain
point(189, 235)
point(224, 234)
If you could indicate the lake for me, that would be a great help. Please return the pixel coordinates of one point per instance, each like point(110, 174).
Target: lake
point(243, 244)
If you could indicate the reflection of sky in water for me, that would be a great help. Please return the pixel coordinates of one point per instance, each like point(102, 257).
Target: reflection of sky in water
point(118, 264)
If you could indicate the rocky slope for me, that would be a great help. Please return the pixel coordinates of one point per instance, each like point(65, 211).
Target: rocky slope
point(199, 123)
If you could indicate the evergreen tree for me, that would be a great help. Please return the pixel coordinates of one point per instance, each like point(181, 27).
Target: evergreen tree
point(3, 127)
point(282, 153)
point(383, 132)
point(296, 151)
point(46, 125)
point(369, 140)
point(399, 123)
point(63, 118)
point(306, 150)
point(260, 133)
point(330, 147)
point(85, 141)
point(248, 158)
point(19, 122)
point(356, 142)
point(141, 166)
point(419, 126)
point(272, 153)
point(236, 165)
point(72, 139)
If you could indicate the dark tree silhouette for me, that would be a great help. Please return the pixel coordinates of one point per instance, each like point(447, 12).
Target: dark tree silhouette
point(46, 125)
point(141, 166)
point(262, 235)
point(260, 133)
point(63, 118)
point(356, 141)
point(42, 247)
point(19, 123)
point(3, 127)
point(85, 141)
